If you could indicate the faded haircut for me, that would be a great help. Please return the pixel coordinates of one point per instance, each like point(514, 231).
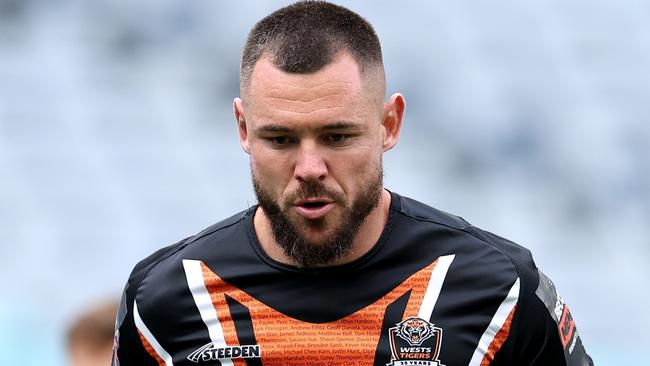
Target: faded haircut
point(305, 37)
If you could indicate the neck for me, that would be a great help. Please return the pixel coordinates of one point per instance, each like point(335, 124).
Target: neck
point(367, 237)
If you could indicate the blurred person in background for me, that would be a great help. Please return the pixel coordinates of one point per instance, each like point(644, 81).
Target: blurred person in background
point(330, 268)
point(90, 337)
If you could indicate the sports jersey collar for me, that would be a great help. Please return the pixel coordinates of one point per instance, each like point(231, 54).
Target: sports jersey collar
point(395, 204)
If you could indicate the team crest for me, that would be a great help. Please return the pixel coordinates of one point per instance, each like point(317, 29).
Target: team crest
point(415, 341)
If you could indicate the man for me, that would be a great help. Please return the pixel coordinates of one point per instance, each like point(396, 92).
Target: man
point(90, 337)
point(330, 268)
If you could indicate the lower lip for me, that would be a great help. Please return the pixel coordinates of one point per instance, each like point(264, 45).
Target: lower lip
point(313, 213)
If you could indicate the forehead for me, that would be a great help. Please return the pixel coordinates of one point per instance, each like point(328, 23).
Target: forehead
point(335, 90)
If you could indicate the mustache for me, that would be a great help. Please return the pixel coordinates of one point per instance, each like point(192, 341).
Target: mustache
point(311, 189)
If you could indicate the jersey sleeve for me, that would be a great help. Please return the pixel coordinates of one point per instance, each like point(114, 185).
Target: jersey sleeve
point(130, 345)
point(128, 348)
point(543, 331)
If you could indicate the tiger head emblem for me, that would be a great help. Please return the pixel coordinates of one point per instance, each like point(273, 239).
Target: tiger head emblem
point(415, 331)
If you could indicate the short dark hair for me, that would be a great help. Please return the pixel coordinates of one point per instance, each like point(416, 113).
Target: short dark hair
point(304, 37)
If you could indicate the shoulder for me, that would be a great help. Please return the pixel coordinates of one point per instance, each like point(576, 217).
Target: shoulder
point(483, 261)
point(533, 318)
point(465, 236)
point(164, 261)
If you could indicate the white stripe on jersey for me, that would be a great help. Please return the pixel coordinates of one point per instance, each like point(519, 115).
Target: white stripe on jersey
point(149, 336)
point(435, 285)
point(203, 301)
point(497, 322)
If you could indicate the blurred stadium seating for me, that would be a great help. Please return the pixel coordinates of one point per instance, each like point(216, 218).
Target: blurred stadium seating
point(529, 119)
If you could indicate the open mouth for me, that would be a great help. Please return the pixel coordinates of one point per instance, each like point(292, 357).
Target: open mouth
point(313, 209)
point(314, 204)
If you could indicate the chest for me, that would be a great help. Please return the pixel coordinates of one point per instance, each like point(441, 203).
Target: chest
point(396, 329)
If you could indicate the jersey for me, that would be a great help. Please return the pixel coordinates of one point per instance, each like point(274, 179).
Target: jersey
point(434, 290)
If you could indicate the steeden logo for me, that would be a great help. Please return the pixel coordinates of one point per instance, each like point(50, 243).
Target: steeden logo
point(210, 352)
point(415, 341)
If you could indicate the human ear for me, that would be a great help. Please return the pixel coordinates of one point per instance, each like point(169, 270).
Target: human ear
point(392, 116)
point(238, 108)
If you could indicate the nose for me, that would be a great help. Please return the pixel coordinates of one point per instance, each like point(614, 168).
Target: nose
point(310, 164)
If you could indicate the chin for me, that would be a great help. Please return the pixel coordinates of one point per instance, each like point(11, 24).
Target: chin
point(314, 232)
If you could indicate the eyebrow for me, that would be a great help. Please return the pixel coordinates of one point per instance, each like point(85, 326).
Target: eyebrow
point(340, 126)
point(271, 127)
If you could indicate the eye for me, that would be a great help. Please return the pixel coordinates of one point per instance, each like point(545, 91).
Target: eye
point(336, 138)
point(279, 140)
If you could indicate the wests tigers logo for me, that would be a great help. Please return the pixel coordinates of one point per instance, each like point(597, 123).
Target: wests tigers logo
point(415, 341)
point(415, 331)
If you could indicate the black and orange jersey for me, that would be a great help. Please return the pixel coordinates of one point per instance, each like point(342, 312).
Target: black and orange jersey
point(434, 291)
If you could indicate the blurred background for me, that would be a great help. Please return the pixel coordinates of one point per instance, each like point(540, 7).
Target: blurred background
point(529, 119)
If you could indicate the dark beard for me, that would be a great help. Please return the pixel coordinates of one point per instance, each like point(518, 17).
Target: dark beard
point(331, 247)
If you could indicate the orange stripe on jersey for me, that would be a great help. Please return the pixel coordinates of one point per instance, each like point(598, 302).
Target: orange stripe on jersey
point(419, 285)
point(217, 288)
point(150, 350)
point(287, 341)
point(499, 339)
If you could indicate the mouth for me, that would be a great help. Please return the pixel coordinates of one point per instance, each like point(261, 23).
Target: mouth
point(313, 208)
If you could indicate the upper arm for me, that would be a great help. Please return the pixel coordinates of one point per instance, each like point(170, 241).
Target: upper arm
point(543, 331)
point(128, 348)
